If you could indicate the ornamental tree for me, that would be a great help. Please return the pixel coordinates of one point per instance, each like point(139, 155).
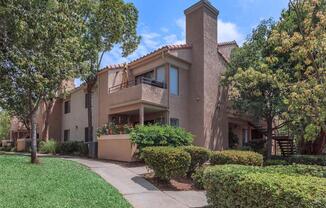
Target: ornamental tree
point(256, 84)
point(40, 47)
point(107, 23)
point(299, 40)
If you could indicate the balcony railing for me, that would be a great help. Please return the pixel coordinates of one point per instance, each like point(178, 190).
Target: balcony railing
point(131, 83)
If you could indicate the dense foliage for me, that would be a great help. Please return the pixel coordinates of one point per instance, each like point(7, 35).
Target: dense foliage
point(48, 147)
point(157, 135)
point(4, 124)
point(236, 157)
point(167, 162)
point(72, 148)
point(300, 50)
point(280, 72)
point(198, 177)
point(55, 183)
point(307, 159)
point(244, 186)
point(199, 155)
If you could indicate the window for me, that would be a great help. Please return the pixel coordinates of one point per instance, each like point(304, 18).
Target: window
point(174, 81)
point(67, 107)
point(160, 74)
point(66, 135)
point(245, 136)
point(86, 135)
point(148, 75)
point(174, 122)
point(87, 100)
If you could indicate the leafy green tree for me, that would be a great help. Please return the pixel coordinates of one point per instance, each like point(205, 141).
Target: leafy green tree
point(256, 84)
point(299, 40)
point(4, 124)
point(40, 47)
point(107, 23)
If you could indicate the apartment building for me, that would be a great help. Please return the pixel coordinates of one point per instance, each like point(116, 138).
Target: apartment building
point(175, 84)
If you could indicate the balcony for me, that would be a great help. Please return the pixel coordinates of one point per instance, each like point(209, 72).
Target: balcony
point(143, 90)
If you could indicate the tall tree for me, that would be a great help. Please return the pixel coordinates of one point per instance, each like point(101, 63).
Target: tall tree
point(108, 23)
point(256, 84)
point(40, 45)
point(299, 40)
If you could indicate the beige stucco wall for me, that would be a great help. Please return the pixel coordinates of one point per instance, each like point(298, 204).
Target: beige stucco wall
point(77, 120)
point(116, 147)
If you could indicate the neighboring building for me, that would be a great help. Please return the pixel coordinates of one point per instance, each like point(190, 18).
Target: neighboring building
point(175, 84)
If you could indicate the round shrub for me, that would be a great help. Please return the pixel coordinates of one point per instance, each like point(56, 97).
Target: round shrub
point(167, 162)
point(236, 157)
point(48, 147)
point(199, 155)
point(243, 186)
point(158, 135)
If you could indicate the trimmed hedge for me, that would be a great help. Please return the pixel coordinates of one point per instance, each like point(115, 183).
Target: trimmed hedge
point(298, 159)
point(167, 162)
point(236, 157)
point(275, 162)
point(158, 135)
point(198, 177)
point(199, 155)
point(243, 186)
point(307, 159)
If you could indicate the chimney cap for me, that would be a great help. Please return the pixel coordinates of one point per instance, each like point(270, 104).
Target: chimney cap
point(201, 3)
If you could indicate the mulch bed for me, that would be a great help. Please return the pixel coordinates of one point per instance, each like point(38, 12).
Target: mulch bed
point(177, 184)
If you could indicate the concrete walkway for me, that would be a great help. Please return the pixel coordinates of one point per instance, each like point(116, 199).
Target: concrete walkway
point(138, 191)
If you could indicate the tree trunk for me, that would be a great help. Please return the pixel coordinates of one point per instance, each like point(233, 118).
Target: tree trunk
point(315, 147)
point(90, 85)
point(269, 138)
point(48, 110)
point(34, 158)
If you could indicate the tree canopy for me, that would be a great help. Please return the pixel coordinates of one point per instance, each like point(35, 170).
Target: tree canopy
point(280, 71)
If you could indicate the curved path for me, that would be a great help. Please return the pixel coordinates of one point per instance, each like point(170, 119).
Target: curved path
point(138, 191)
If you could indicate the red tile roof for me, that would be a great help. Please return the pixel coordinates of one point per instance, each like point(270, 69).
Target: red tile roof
point(166, 48)
point(227, 43)
point(163, 48)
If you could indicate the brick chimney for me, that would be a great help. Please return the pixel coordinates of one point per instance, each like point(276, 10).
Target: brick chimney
point(204, 76)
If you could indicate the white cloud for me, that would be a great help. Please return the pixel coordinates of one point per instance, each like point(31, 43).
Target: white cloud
point(164, 29)
point(151, 40)
point(228, 31)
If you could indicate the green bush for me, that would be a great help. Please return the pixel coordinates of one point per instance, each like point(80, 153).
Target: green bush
point(48, 147)
point(199, 155)
point(307, 159)
point(243, 186)
point(275, 162)
point(157, 135)
point(72, 148)
point(198, 177)
point(236, 157)
point(167, 162)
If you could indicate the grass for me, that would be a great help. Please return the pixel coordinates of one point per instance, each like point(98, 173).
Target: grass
point(54, 183)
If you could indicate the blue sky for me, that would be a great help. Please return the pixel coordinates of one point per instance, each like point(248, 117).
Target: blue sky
point(162, 22)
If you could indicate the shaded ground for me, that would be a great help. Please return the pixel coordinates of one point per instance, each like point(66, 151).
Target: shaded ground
point(55, 183)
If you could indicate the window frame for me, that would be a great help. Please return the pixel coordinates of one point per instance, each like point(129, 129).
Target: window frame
point(67, 108)
point(66, 135)
point(178, 80)
point(176, 120)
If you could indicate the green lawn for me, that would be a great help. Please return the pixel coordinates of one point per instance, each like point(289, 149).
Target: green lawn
point(54, 183)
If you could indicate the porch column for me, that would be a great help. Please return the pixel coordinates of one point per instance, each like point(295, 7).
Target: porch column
point(167, 117)
point(141, 114)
